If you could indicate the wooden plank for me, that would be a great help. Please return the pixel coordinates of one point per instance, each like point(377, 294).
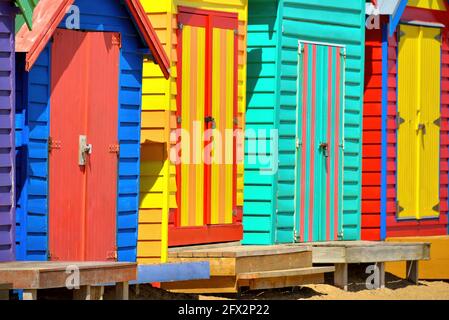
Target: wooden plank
point(329, 255)
point(122, 291)
point(341, 276)
point(435, 269)
point(282, 282)
point(30, 294)
point(213, 285)
point(46, 275)
point(274, 262)
point(412, 271)
point(4, 294)
point(241, 251)
point(284, 273)
point(387, 253)
point(218, 266)
point(370, 253)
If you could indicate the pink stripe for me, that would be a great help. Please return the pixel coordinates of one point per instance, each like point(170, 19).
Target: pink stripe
point(312, 144)
point(304, 140)
point(329, 126)
point(337, 147)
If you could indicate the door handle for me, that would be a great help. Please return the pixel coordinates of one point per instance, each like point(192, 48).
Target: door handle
point(324, 146)
point(84, 149)
point(210, 120)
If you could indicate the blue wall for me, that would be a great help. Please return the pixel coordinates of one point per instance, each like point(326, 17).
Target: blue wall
point(32, 217)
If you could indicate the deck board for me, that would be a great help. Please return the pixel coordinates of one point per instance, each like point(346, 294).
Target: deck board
point(46, 275)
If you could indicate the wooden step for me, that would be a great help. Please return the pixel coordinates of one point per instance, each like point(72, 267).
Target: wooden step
point(285, 273)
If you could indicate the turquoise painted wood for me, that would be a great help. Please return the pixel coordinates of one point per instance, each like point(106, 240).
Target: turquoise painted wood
point(272, 202)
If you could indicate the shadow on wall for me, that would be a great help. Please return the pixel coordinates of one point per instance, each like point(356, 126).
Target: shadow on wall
point(153, 157)
point(255, 53)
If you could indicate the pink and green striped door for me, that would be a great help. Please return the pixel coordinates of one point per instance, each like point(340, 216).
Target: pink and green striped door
point(319, 158)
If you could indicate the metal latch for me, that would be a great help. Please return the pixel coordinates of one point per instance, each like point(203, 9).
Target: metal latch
point(53, 144)
point(210, 120)
point(114, 148)
point(84, 149)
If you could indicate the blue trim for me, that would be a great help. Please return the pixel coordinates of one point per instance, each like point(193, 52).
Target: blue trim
point(169, 272)
point(99, 15)
point(384, 158)
point(395, 18)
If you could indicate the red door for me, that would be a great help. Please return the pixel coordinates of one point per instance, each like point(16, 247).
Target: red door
point(83, 145)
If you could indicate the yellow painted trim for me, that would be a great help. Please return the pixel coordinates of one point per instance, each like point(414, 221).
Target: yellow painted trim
point(427, 4)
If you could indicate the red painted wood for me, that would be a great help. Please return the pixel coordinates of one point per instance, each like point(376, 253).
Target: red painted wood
point(84, 101)
point(372, 137)
point(205, 234)
point(430, 227)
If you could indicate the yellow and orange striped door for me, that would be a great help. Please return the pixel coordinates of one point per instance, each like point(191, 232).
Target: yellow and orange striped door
point(207, 109)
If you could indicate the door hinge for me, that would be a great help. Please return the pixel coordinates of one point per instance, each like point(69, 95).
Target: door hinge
point(298, 143)
point(341, 235)
point(53, 144)
point(112, 255)
point(236, 121)
point(399, 209)
point(117, 40)
point(180, 26)
point(236, 32)
point(439, 37)
point(114, 148)
point(234, 213)
point(436, 208)
point(179, 119)
point(399, 121)
point(437, 122)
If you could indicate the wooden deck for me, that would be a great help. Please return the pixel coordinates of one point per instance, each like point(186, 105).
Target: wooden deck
point(34, 276)
point(437, 268)
point(252, 267)
point(343, 253)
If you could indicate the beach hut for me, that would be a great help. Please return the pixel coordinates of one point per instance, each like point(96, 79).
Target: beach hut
point(9, 10)
point(79, 86)
point(406, 147)
point(305, 93)
point(196, 201)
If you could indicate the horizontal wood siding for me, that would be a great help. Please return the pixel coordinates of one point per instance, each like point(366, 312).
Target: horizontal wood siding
point(337, 22)
point(259, 203)
point(7, 84)
point(428, 227)
point(372, 140)
point(99, 15)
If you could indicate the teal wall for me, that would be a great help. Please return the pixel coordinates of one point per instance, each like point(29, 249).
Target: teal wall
point(269, 201)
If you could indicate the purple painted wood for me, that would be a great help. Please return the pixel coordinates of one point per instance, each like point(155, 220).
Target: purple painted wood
point(7, 100)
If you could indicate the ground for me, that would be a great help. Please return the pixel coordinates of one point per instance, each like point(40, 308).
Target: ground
point(396, 289)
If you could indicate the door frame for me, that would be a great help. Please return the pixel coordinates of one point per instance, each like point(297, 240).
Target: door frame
point(207, 233)
point(338, 228)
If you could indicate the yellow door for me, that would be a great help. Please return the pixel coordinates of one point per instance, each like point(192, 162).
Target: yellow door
point(419, 76)
point(223, 94)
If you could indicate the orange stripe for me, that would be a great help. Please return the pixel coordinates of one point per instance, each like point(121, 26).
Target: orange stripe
point(193, 113)
point(223, 110)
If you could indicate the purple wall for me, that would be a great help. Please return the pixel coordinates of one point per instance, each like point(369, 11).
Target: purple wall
point(7, 105)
